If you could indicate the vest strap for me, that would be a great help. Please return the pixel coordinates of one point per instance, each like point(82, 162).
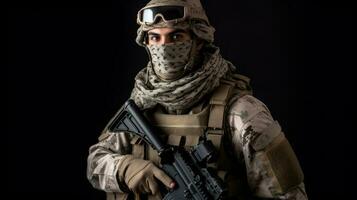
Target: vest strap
point(218, 102)
point(221, 95)
point(216, 137)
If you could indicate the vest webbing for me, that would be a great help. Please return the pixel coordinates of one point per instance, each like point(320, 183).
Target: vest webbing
point(203, 121)
point(208, 121)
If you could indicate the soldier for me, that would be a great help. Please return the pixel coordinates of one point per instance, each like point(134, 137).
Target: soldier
point(189, 92)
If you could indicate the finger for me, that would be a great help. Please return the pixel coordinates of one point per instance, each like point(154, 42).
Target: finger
point(144, 188)
point(165, 179)
point(154, 188)
point(156, 196)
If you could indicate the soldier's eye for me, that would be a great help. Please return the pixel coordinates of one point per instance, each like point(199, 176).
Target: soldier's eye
point(177, 37)
point(154, 38)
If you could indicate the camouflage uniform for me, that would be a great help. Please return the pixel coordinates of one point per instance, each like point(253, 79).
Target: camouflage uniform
point(247, 118)
point(265, 164)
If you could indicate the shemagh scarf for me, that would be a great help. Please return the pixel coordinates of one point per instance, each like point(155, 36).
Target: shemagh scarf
point(180, 95)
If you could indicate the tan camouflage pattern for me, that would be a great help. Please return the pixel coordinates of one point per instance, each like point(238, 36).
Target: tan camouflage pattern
point(201, 28)
point(103, 161)
point(170, 60)
point(180, 95)
point(194, 7)
point(247, 119)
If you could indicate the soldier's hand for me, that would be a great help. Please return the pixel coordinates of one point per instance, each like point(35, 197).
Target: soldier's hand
point(140, 175)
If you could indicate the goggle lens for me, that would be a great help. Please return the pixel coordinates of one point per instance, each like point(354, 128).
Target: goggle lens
point(168, 13)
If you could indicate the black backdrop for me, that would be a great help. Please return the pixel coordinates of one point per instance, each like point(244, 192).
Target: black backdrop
point(71, 64)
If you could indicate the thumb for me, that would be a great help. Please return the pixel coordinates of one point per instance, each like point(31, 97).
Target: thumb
point(163, 177)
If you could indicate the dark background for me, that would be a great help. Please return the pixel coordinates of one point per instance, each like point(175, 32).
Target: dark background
point(71, 65)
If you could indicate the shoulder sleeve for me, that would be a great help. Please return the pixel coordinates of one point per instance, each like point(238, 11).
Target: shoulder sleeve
point(245, 114)
point(273, 170)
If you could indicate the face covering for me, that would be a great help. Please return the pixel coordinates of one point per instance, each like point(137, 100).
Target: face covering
point(171, 61)
point(180, 95)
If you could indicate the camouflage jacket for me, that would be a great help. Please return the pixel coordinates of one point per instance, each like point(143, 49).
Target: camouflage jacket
point(249, 122)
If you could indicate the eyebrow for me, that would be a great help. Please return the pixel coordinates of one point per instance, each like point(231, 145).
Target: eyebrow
point(151, 33)
point(177, 31)
point(171, 33)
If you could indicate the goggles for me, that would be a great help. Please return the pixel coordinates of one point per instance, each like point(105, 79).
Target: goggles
point(148, 16)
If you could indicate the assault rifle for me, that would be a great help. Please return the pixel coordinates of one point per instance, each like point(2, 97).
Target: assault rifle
point(187, 168)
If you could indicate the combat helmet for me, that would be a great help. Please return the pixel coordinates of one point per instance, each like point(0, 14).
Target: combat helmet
point(186, 14)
